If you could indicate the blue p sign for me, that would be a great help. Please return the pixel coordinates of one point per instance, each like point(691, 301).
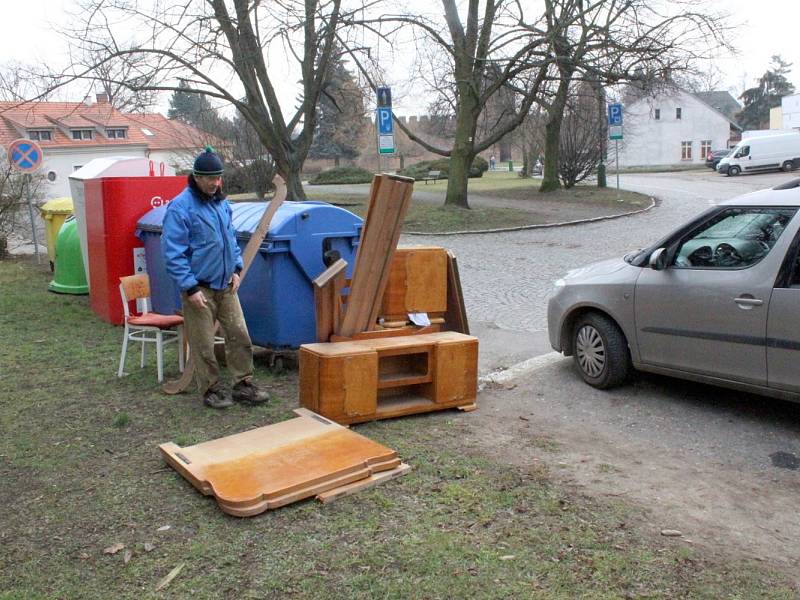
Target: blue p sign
point(615, 114)
point(385, 125)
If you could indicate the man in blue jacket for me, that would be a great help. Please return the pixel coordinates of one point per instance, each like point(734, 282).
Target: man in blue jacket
point(202, 257)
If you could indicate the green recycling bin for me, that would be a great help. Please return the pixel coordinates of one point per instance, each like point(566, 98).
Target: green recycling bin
point(511, 165)
point(70, 277)
point(54, 212)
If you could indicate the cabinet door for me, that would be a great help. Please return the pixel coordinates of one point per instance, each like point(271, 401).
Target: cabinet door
point(456, 372)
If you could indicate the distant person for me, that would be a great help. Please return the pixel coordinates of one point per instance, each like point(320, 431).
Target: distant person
point(492, 163)
point(203, 259)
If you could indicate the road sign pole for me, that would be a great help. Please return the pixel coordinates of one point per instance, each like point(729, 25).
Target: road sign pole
point(30, 212)
point(616, 151)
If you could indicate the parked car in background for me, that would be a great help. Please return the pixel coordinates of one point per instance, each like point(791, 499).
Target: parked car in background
point(715, 301)
point(765, 153)
point(714, 156)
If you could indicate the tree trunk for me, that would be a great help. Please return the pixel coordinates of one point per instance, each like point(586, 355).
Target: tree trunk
point(552, 136)
point(457, 179)
point(294, 185)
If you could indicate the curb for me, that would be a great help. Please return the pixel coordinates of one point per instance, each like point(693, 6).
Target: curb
point(525, 367)
point(541, 225)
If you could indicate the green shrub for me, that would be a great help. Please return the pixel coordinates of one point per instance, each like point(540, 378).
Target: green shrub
point(419, 170)
point(342, 175)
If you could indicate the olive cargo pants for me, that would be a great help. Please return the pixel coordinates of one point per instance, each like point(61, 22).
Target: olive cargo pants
point(200, 326)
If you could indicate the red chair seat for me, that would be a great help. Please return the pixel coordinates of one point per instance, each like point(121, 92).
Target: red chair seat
point(156, 320)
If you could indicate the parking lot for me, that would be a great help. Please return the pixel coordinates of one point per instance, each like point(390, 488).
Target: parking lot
point(715, 464)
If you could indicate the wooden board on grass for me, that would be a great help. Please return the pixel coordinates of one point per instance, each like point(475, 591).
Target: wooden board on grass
point(278, 464)
point(355, 487)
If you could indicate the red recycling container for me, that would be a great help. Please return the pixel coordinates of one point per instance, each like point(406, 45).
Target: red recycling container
point(113, 207)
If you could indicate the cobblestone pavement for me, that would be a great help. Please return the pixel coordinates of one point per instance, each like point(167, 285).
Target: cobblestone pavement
point(507, 277)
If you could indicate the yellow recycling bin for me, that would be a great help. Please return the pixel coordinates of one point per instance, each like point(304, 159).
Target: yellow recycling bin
point(54, 212)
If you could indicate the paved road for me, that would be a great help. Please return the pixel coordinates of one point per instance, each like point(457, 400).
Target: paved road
point(507, 277)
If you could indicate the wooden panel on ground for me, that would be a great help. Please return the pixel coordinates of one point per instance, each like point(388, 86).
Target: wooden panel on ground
point(456, 315)
point(372, 480)
point(327, 299)
point(417, 283)
point(390, 198)
point(272, 466)
point(390, 377)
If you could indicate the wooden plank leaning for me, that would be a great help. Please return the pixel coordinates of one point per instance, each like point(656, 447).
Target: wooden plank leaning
point(389, 202)
point(180, 385)
point(327, 299)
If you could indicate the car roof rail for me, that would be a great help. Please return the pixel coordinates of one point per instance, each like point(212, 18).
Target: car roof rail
point(789, 185)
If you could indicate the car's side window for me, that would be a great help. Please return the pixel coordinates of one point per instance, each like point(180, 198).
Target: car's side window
point(734, 238)
point(794, 277)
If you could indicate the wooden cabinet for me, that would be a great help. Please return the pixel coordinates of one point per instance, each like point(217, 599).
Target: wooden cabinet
point(355, 381)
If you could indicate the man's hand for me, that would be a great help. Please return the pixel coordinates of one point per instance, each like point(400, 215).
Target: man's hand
point(235, 281)
point(198, 299)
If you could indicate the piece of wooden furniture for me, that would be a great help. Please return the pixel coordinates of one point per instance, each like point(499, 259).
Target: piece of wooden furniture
point(147, 327)
point(368, 379)
point(328, 299)
point(272, 466)
point(417, 283)
point(432, 176)
point(390, 197)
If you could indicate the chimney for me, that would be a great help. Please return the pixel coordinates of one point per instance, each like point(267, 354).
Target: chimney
point(102, 98)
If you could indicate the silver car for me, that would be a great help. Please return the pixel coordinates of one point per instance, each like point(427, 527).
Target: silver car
point(716, 301)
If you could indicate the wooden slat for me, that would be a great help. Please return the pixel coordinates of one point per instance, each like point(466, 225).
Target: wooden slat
point(327, 303)
point(353, 488)
point(389, 203)
point(456, 315)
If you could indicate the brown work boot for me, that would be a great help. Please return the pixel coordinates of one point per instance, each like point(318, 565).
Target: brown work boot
point(247, 393)
point(217, 397)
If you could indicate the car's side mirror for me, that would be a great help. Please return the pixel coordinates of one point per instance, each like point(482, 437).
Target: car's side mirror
point(658, 259)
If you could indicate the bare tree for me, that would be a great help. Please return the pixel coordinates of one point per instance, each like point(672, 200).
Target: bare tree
point(611, 41)
point(470, 61)
point(219, 48)
point(582, 134)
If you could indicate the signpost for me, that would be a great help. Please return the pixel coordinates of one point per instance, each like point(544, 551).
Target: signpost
point(26, 156)
point(383, 118)
point(615, 131)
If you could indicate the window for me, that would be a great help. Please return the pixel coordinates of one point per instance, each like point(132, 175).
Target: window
point(734, 238)
point(81, 134)
point(742, 152)
point(686, 150)
point(147, 132)
point(678, 113)
point(40, 135)
point(118, 134)
point(657, 114)
point(705, 148)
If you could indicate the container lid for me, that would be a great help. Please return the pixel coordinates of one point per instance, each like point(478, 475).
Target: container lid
point(61, 206)
point(316, 217)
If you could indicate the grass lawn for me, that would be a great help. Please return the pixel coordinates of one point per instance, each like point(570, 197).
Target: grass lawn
point(81, 473)
point(523, 204)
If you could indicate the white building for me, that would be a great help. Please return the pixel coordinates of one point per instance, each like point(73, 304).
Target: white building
point(790, 112)
point(673, 128)
point(73, 133)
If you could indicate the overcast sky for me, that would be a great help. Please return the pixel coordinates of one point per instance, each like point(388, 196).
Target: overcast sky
point(766, 27)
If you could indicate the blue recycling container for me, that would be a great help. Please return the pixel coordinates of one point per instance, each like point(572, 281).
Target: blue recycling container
point(277, 295)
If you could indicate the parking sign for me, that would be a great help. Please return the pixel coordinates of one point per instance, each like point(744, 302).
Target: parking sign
point(614, 114)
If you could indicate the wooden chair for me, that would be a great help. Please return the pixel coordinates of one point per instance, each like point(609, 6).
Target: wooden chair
point(147, 327)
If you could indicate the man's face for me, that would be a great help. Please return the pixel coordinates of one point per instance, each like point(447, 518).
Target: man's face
point(208, 184)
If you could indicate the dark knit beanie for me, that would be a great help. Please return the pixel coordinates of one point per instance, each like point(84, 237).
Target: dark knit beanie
point(208, 163)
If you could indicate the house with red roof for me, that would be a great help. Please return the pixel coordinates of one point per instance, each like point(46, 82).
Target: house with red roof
point(73, 133)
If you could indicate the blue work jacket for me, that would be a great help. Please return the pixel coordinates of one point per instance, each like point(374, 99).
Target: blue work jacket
point(199, 243)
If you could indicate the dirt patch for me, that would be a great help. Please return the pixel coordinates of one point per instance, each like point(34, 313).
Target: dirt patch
point(728, 509)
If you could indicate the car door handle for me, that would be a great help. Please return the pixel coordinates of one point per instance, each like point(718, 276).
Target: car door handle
point(744, 301)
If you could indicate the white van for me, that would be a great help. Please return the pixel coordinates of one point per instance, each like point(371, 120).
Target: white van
point(763, 153)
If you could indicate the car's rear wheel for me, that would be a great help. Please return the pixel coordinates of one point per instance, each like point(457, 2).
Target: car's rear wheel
point(734, 171)
point(600, 351)
point(787, 166)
